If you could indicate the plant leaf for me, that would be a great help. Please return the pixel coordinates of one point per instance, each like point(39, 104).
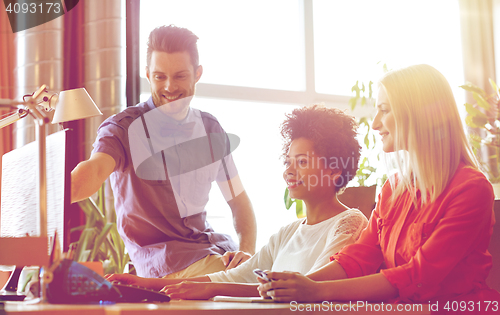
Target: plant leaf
point(495, 87)
point(116, 239)
point(470, 122)
point(474, 111)
point(76, 229)
point(288, 200)
point(355, 88)
point(101, 199)
point(480, 121)
point(352, 102)
point(481, 101)
point(468, 86)
point(114, 254)
point(475, 137)
point(85, 238)
point(117, 242)
point(299, 210)
point(125, 260)
point(100, 239)
point(94, 216)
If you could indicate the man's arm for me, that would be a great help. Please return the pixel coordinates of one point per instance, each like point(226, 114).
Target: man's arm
point(88, 176)
point(243, 215)
point(244, 222)
point(151, 283)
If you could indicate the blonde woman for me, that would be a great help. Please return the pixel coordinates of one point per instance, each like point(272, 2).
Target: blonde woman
point(433, 220)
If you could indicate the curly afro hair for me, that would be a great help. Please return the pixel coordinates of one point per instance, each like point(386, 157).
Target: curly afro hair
point(333, 133)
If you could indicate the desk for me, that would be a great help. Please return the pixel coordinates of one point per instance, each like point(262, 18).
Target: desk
point(202, 307)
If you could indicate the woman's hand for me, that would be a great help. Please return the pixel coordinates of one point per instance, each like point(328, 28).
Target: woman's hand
point(234, 259)
point(290, 286)
point(189, 290)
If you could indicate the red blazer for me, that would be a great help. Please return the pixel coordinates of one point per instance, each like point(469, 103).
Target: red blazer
point(434, 252)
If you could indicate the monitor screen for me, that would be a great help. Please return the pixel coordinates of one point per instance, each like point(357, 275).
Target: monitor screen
point(19, 210)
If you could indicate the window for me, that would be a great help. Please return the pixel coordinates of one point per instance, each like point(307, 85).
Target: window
point(255, 43)
point(354, 38)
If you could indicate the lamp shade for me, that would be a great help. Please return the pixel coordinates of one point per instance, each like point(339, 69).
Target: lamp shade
point(74, 104)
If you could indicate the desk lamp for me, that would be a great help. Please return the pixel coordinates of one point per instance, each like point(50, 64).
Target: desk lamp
point(69, 105)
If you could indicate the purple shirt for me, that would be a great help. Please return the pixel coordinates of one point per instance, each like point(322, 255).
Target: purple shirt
point(161, 188)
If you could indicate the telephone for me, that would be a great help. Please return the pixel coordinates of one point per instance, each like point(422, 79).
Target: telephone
point(73, 283)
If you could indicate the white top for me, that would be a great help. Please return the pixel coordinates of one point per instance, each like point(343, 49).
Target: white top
point(300, 247)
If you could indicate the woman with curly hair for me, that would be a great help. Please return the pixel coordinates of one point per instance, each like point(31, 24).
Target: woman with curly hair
point(433, 220)
point(321, 155)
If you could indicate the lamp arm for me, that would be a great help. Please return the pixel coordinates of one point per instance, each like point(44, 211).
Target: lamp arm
point(20, 113)
point(5, 102)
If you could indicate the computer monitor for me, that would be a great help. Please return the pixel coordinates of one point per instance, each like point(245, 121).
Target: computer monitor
point(19, 211)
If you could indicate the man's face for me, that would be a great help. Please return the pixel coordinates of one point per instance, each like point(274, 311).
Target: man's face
point(172, 78)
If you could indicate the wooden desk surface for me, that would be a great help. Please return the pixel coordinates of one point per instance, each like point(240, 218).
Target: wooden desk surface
point(206, 308)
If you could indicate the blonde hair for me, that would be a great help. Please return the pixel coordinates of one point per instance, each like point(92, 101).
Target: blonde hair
point(428, 128)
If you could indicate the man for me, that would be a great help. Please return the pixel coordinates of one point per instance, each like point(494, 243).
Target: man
point(161, 157)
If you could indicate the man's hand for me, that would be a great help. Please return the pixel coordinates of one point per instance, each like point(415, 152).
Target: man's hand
point(151, 283)
point(234, 259)
point(127, 279)
point(188, 290)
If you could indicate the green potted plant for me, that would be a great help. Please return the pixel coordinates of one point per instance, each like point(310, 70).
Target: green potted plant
point(484, 118)
point(370, 158)
point(99, 239)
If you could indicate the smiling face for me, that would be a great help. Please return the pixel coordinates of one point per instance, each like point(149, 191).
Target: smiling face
point(306, 173)
point(172, 77)
point(384, 121)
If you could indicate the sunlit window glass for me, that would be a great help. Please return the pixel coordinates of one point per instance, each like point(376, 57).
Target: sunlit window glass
point(354, 38)
point(243, 43)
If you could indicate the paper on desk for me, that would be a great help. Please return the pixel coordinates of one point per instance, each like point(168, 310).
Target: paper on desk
point(221, 298)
